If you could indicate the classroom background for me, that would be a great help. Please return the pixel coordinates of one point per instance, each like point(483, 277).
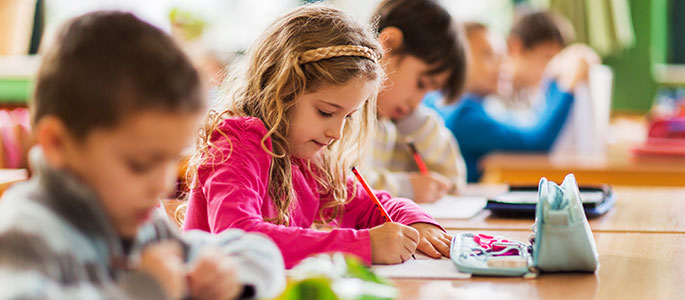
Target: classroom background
point(637, 147)
point(636, 39)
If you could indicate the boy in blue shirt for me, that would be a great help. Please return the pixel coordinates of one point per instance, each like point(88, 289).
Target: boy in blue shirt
point(478, 133)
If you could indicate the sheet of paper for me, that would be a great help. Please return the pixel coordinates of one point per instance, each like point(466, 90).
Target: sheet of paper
point(422, 267)
point(451, 207)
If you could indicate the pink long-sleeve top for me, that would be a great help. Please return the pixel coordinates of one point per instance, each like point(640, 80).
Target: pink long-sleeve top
point(233, 193)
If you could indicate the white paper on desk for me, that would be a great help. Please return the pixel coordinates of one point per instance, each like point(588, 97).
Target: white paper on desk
point(424, 268)
point(452, 207)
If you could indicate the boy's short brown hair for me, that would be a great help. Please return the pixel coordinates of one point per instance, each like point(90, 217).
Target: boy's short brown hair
point(430, 34)
point(534, 28)
point(105, 65)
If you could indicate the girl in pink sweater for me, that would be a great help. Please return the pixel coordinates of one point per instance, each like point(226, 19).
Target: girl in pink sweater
point(278, 160)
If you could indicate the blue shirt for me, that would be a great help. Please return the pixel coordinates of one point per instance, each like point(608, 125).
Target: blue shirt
point(479, 134)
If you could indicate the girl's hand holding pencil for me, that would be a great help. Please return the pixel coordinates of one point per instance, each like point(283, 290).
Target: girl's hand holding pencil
point(392, 243)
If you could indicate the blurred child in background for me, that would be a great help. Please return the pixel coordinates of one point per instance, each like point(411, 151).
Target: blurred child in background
point(534, 39)
point(478, 132)
point(115, 102)
point(424, 51)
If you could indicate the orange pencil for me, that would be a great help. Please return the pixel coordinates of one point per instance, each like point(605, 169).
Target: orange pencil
point(374, 198)
point(418, 159)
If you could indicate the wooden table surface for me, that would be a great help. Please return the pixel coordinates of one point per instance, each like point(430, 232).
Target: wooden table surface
point(632, 266)
point(641, 245)
point(637, 209)
point(617, 166)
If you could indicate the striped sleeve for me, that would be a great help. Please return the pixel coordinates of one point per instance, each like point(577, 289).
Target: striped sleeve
point(435, 143)
point(258, 260)
point(377, 168)
point(38, 271)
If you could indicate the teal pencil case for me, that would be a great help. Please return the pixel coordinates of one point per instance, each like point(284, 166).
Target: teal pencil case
point(561, 241)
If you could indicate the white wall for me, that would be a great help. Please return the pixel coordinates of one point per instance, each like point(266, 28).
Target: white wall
point(233, 24)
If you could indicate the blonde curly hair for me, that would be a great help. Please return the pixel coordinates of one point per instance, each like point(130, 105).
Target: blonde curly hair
point(310, 47)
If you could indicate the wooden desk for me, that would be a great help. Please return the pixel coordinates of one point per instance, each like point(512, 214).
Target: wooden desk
point(637, 209)
point(618, 167)
point(632, 266)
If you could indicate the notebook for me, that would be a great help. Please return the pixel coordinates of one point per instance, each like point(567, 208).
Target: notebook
point(422, 267)
point(520, 201)
point(455, 207)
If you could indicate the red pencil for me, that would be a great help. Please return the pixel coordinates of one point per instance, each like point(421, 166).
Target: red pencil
point(373, 197)
point(418, 159)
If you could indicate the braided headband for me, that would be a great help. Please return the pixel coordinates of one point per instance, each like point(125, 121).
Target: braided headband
point(336, 51)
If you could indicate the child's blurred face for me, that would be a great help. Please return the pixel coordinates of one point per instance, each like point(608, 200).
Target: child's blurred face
point(406, 84)
point(133, 164)
point(484, 64)
point(529, 64)
point(318, 118)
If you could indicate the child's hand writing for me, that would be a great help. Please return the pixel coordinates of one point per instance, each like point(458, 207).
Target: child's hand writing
point(392, 243)
point(432, 240)
point(429, 188)
point(164, 262)
point(212, 276)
